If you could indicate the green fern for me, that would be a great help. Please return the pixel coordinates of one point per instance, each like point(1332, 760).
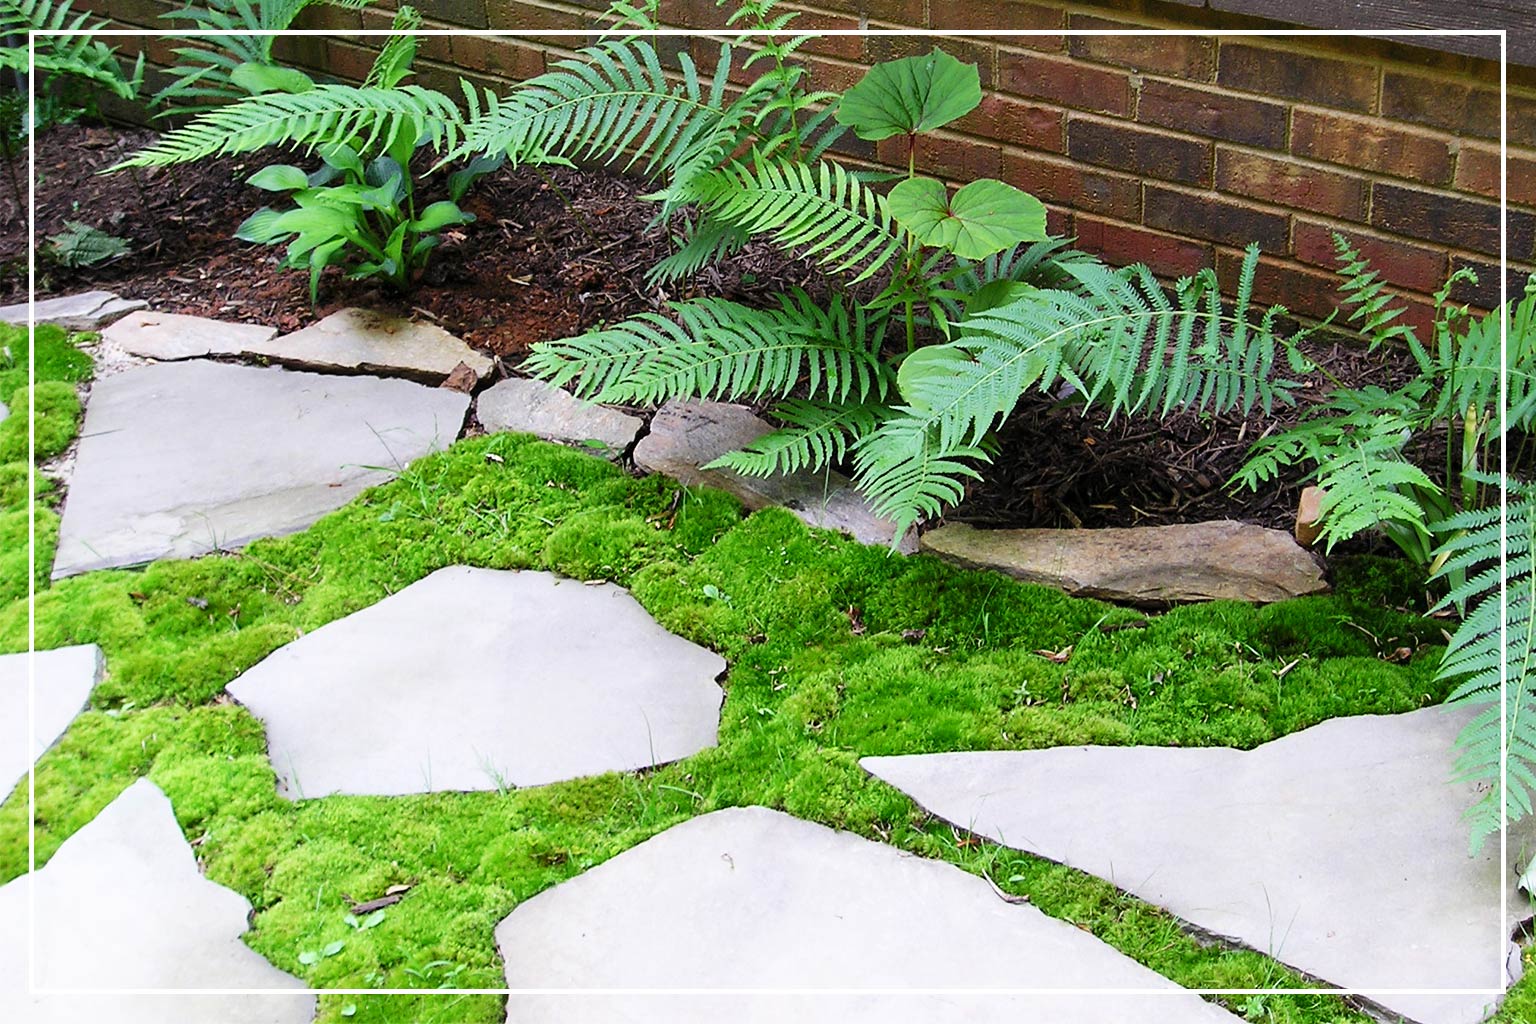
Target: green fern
point(59, 56)
point(318, 117)
point(722, 350)
point(815, 435)
point(1493, 652)
point(80, 245)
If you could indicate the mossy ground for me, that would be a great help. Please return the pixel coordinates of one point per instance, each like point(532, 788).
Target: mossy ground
point(808, 694)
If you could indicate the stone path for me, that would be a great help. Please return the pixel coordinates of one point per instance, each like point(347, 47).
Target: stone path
point(123, 905)
point(1154, 565)
point(476, 679)
point(64, 680)
point(753, 898)
point(171, 336)
point(533, 407)
point(1339, 850)
point(180, 459)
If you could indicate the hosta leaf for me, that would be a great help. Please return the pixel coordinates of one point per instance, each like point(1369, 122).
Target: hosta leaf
point(439, 215)
point(982, 218)
point(911, 95)
point(279, 178)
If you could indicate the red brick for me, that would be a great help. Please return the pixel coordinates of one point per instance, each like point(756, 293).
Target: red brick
point(1058, 222)
point(531, 22)
point(1477, 170)
point(1373, 145)
point(497, 56)
point(1449, 220)
point(1402, 263)
point(946, 157)
point(1455, 106)
point(1484, 295)
point(1017, 123)
point(1124, 244)
point(463, 13)
point(993, 14)
point(348, 62)
point(1288, 183)
point(901, 12)
point(1279, 282)
point(699, 14)
point(849, 47)
point(1140, 150)
point(1161, 53)
point(1202, 215)
point(1068, 82)
point(1299, 76)
point(826, 74)
point(1220, 115)
point(325, 16)
point(1073, 185)
point(878, 49)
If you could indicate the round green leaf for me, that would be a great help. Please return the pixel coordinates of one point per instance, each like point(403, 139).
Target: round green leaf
point(911, 95)
point(439, 215)
point(279, 178)
point(257, 78)
point(981, 218)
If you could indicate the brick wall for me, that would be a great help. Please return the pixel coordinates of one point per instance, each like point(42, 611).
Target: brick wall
point(1171, 150)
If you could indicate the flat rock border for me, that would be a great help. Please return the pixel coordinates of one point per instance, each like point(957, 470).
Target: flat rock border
point(1145, 565)
point(87, 311)
point(554, 414)
point(65, 677)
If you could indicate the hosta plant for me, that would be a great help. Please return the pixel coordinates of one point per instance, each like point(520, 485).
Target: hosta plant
point(359, 208)
point(944, 308)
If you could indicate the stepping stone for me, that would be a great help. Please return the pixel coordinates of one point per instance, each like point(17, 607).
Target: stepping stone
point(533, 407)
point(1150, 565)
point(1339, 850)
point(64, 680)
point(753, 898)
point(479, 679)
point(362, 341)
point(122, 905)
point(169, 336)
point(685, 436)
point(87, 311)
point(180, 459)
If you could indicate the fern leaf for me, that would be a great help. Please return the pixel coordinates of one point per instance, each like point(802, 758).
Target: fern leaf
point(815, 434)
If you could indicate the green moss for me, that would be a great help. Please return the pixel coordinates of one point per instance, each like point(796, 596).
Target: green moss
point(836, 651)
point(58, 357)
point(53, 408)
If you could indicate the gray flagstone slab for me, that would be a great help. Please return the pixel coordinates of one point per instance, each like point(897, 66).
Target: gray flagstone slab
point(1339, 850)
point(86, 311)
point(64, 680)
point(534, 407)
point(169, 336)
point(750, 898)
point(180, 459)
point(122, 905)
point(479, 679)
point(364, 341)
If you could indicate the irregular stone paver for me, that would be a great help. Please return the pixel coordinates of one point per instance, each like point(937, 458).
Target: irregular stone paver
point(753, 898)
point(685, 436)
point(1156, 565)
point(87, 311)
point(122, 904)
point(179, 459)
point(175, 336)
point(64, 680)
point(533, 407)
point(4, 411)
point(475, 679)
point(1339, 850)
point(362, 341)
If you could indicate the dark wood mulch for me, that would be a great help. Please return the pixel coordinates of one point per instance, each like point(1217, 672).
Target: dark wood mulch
point(552, 255)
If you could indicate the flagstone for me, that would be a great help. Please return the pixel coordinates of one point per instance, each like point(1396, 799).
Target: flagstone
point(1339, 850)
point(65, 677)
point(170, 336)
point(87, 311)
point(750, 898)
point(481, 679)
point(180, 459)
point(364, 341)
point(534, 407)
point(122, 905)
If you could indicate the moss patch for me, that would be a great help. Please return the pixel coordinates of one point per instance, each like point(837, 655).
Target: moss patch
point(836, 651)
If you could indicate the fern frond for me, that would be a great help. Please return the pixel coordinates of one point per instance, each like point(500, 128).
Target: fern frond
point(324, 115)
point(1373, 313)
point(81, 56)
point(723, 350)
point(815, 434)
point(708, 241)
point(1494, 649)
point(823, 212)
